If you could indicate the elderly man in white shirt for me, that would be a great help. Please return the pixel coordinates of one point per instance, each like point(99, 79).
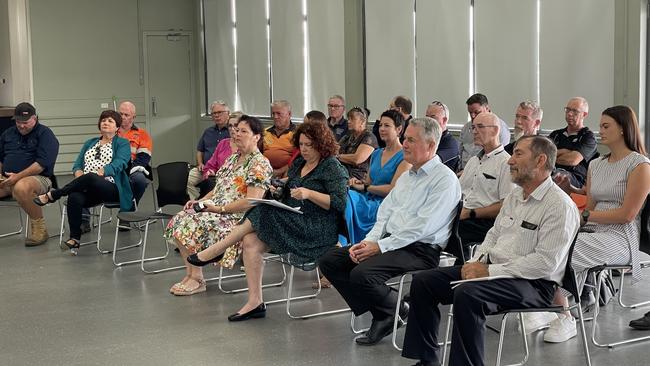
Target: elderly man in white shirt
point(485, 182)
point(414, 223)
point(529, 243)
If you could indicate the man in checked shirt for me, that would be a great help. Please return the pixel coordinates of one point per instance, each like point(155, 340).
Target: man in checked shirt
point(529, 242)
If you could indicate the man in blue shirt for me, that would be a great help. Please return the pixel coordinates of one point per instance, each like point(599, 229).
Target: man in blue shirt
point(414, 223)
point(28, 152)
point(448, 148)
point(220, 112)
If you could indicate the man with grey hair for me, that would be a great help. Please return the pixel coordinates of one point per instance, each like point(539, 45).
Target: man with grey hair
point(413, 225)
point(528, 246)
point(528, 119)
point(448, 149)
point(576, 144)
point(220, 112)
point(278, 139)
point(336, 120)
point(485, 181)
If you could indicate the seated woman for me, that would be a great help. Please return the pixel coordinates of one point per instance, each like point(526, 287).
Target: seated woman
point(617, 186)
point(100, 176)
point(245, 174)
point(224, 149)
point(357, 144)
point(386, 165)
point(317, 183)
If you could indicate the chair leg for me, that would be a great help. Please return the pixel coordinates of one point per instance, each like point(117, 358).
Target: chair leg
point(502, 333)
point(396, 319)
point(353, 325)
point(450, 319)
point(620, 296)
point(20, 230)
point(144, 248)
point(595, 322)
point(243, 289)
point(583, 334)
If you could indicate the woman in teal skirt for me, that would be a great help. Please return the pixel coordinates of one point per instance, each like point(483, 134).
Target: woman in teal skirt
point(318, 184)
point(386, 165)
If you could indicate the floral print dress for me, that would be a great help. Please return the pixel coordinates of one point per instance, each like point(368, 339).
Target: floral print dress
point(197, 231)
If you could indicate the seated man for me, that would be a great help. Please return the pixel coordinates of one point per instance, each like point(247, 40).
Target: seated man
point(528, 119)
point(485, 181)
point(449, 149)
point(220, 112)
point(529, 242)
point(576, 144)
point(28, 152)
point(141, 147)
point(413, 225)
point(476, 104)
point(278, 145)
point(336, 120)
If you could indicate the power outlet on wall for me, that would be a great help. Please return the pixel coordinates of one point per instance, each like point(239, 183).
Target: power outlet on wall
point(103, 106)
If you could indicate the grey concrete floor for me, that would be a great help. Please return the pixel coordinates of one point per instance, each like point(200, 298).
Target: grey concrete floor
point(56, 309)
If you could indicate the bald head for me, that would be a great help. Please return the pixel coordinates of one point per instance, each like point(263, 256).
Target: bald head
point(485, 129)
point(127, 111)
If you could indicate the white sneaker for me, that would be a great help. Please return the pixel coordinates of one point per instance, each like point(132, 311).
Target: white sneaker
point(561, 330)
point(537, 321)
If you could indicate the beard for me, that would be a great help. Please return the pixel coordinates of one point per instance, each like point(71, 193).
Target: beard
point(518, 133)
point(519, 176)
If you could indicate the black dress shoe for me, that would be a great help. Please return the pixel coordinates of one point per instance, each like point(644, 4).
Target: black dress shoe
point(642, 323)
point(258, 312)
point(378, 330)
point(194, 260)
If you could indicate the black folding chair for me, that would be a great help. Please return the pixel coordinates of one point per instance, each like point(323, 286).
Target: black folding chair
point(172, 183)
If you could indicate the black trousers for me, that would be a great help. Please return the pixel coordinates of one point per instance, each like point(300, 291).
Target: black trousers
point(363, 285)
point(474, 230)
point(87, 190)
point(472, 303)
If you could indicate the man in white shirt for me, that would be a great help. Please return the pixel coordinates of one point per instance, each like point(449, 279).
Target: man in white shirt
point(477, 103)
point(413, 225)
point(529, 242)
point(485, 182)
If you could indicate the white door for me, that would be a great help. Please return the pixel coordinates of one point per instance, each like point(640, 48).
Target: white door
point(169, 95)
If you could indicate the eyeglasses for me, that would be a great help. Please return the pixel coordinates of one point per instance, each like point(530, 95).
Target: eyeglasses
point(334, 106)
point(216, 113)
point(232, 126)
point(480, 127)
point(568, 110)
point(98, 152)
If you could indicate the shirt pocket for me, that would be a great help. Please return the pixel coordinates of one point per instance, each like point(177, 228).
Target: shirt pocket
point(528, 233)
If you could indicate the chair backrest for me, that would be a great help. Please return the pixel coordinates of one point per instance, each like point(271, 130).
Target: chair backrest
point(455, 244)
point(172, 184)
point(569, 280)
point(644, 241)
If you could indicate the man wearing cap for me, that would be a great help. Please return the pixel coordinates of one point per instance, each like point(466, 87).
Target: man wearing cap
point(27, 155)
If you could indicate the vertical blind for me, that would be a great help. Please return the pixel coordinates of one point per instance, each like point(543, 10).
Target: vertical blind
point(510, 50)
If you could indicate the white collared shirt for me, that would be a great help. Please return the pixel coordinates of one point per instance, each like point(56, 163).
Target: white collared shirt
point(531, 237)
point(486, 179)
point(421, 207)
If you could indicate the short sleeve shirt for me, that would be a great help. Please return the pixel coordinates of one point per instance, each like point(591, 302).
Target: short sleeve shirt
point(349, 145)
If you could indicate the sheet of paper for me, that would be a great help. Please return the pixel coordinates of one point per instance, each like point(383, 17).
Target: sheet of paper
point(261, 201)
point(455, 284)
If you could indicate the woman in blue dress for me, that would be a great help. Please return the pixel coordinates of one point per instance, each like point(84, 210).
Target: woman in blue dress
point(386, 165)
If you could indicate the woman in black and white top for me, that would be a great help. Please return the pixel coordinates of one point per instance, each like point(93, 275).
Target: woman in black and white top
point(100, 176)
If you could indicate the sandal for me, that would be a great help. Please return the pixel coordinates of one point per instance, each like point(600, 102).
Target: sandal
point(37, 200)
point(324, 283)
point(71, 243)
point(178, 285)
point(185, 290)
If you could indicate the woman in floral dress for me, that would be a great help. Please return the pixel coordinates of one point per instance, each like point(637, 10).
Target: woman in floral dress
point(245, 174)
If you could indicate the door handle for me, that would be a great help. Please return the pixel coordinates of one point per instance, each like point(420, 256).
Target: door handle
point(154, 106)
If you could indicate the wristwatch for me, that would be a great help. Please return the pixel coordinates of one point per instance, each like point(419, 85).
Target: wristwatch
point(472, 214)
point(585, 215)
point(365, 187)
